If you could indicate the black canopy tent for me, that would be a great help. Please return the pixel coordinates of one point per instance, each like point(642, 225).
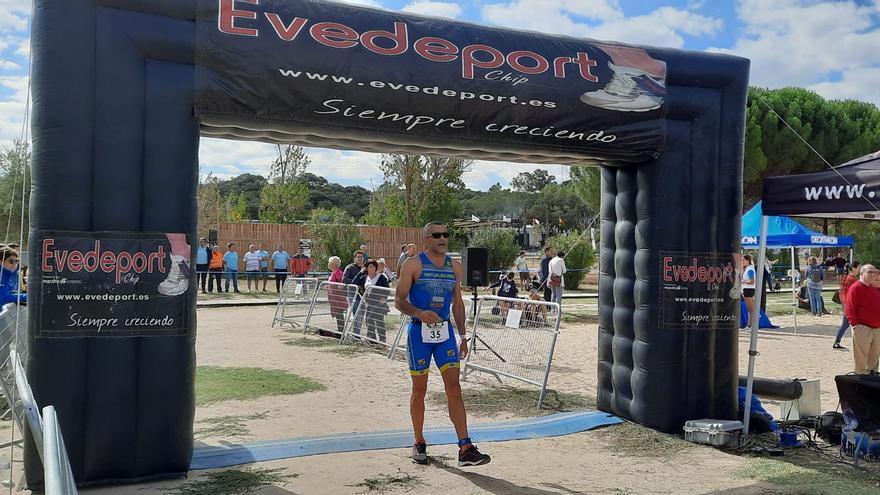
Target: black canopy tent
point(848, 191)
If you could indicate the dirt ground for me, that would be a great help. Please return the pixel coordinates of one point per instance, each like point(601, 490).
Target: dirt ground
point(368, 392)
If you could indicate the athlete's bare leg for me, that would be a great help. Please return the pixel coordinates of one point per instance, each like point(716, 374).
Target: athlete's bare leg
point(417, 406)
point(455, 403)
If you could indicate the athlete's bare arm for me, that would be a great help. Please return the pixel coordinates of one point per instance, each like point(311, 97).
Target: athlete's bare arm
point(458, 308)
point(408, 274)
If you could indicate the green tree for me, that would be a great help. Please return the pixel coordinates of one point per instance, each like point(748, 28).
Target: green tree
point(283, 202)
point(579, 256)
point(210, 204)
point(333, 233)
point(355, 200)
point(15, 182)
point(291, 163)
point(248, 186)
point(532, 182)
point(236, 207)
point(557, 206)
point(499, 244)
point(422, 181)
point(386, 208)
point(586, 183)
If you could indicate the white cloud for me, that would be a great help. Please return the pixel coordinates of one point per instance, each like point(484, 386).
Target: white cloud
point(15, 16)
point(9, 65)
point(664, 26)
point(12, 107)
point(804, 42)
point(438, 9)
point(856, 84)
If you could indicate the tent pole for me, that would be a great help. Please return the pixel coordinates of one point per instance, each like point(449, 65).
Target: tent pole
point(794, 289)
point(754, 323)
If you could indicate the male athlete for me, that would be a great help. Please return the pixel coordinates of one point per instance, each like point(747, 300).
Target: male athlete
point(429, 283)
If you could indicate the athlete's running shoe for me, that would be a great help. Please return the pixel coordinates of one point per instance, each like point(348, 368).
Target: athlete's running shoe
point(420, 453)
point(472, 457)
point(629, 90)
point(178, 277)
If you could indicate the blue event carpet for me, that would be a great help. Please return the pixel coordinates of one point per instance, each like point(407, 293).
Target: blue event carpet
point(544, 426)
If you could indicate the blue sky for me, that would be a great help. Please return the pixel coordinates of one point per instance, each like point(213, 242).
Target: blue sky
point(830, 47)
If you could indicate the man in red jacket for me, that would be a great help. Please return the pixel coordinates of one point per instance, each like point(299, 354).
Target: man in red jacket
point(863, 313)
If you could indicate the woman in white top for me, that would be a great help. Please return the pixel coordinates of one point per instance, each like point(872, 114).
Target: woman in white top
point(523, 268)
point(748, 282)
point(556, 281)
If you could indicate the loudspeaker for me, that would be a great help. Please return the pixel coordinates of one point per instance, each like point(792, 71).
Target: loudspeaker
point(212, 236)
point(475, 261)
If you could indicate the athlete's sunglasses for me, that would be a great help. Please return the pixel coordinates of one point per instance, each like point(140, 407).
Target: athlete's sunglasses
point(437, 235)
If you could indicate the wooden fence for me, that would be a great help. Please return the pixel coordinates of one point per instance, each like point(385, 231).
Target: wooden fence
point(382, 242)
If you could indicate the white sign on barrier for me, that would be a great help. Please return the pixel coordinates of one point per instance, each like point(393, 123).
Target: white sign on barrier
point(513, 317)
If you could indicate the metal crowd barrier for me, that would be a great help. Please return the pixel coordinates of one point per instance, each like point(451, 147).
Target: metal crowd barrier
point(295, 301)
point(375, 319)
point(26, 405)
point(514, 338)
point(13, 319)
point(57, 474)
point(331, 308)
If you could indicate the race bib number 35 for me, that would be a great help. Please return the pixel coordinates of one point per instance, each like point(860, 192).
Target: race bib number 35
point(436, 333)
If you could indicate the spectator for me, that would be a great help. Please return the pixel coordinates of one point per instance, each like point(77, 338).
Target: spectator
point(280, 262)
point(544, 273)
point(403, 256)
point(557, 270)
point(768, 278)
point(411, 251)
point(852, 272)
point(351, 275)
point(336, 297)
point(506, 288)
point(376, 304)
point(523, 268)
point(352, 270)
point(815, 274)
point(215, 266)
point(300, 264)
point(264, 266)
point(252, 267)
point(863, 313)
point(384, 270)
point(203, 257)
point(839, 263)
point(363, 249)
point(9, 288)
point(748, 282)
point(230, 264)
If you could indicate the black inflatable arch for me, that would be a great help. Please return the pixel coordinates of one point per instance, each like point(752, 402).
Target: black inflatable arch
point(119, 105)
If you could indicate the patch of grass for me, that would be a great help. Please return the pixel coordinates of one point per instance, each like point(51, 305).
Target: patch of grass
point(495, 401)
point(231, 482)
point(352, 350)
point(386, 482)
point(215, 384)
point(638, 441)
point(227, 426)
point(310, 343)
point(804, 473)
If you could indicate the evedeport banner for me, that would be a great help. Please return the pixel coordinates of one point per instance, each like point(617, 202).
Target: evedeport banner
point(111, 284)
point(333, 71)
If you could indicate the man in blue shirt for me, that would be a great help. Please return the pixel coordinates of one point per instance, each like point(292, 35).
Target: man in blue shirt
point(203, 258)
point(230, 264)
point(280, 260)
point(264, 264)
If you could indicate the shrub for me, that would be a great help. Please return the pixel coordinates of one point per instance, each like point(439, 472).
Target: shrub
point(579, 256)
point(499, 243)
point(333, 233)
